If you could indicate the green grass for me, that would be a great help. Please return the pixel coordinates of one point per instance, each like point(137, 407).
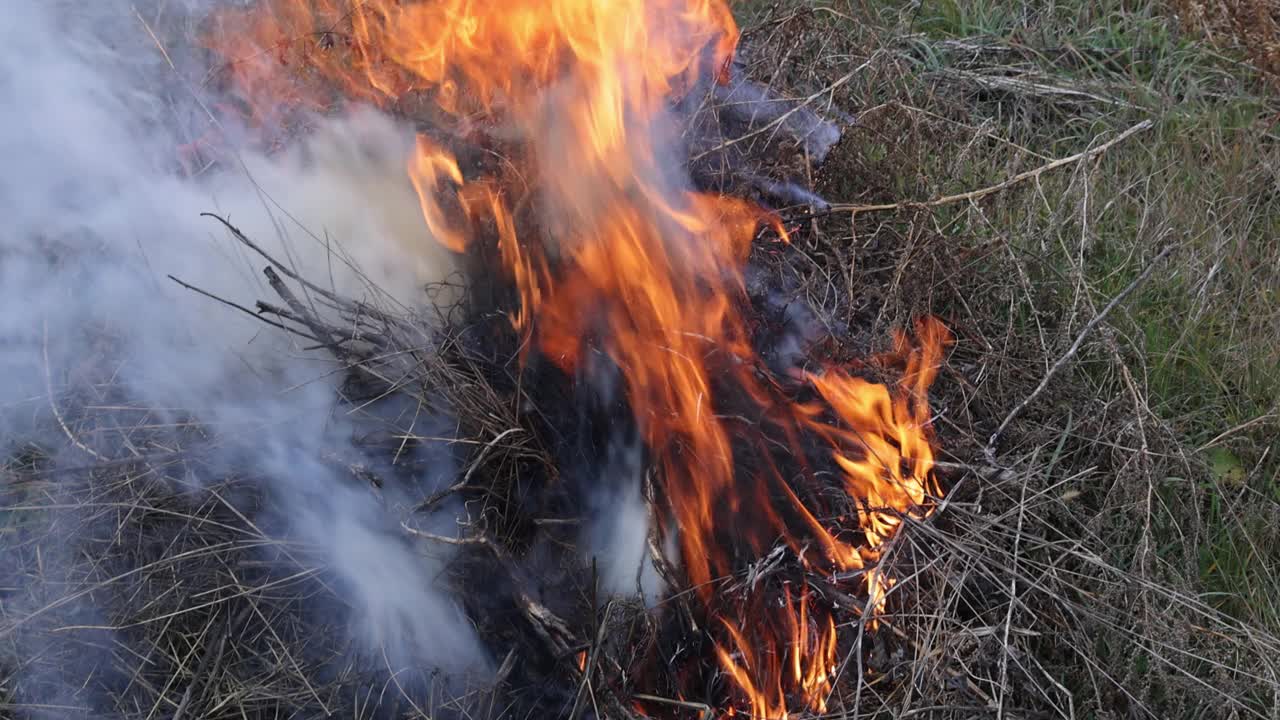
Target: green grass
point(1208, 326)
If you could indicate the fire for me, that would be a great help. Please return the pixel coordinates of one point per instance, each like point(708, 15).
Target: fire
point(806, 665)
point(609, 253)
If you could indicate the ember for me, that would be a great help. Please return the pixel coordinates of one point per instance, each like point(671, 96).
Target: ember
point(609, 249)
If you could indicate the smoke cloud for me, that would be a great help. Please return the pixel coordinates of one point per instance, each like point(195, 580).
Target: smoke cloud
point(94, 221)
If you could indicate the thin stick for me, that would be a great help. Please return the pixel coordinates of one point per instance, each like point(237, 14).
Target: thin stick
point(588, 667)
point(992, 189)
point(707, 710)
point(466, 479)
point(445, 538)
point(1008, 617)
point(318, 330)
point(245, 310)
point(231, 624)
point(778, 121)
point(986, 472)
point(990, 450)
point(53, 403)
point(104, 465)
point(243, 239)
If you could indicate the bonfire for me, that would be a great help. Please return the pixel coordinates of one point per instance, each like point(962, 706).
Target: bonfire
point(773, 488)
point(621, 202)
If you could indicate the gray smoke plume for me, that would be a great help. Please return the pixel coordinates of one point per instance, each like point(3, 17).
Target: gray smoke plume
point(94, 221)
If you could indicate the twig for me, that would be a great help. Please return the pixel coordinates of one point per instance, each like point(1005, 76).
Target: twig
point(588, 667)
point(270, 309)
point(466, 479)
point(245, 310)
point(53, 404)
point(231, 624)
point(986, 472)
point(1242, 426)
point(334, 298)
point(835, 596)
point(990, 450)
point(1008, 617)
point(778, 121)
point(504, 670)
point(707, 710)
point(481, 541)
point(321, 332)
point(989, 190)
point(104, 465)
point(1030, 87)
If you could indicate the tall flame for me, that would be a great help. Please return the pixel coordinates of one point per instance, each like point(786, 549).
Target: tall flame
point(640, 268)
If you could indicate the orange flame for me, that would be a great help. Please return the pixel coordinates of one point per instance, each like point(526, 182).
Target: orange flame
point(575, 94)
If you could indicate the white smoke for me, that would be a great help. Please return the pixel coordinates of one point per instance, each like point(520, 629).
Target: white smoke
point(617, 531)
point(94, 221)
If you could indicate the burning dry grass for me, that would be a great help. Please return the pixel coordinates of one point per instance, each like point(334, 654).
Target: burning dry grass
point(1062, 578)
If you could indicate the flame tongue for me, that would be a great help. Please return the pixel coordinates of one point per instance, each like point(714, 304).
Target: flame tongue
point(580, 89)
